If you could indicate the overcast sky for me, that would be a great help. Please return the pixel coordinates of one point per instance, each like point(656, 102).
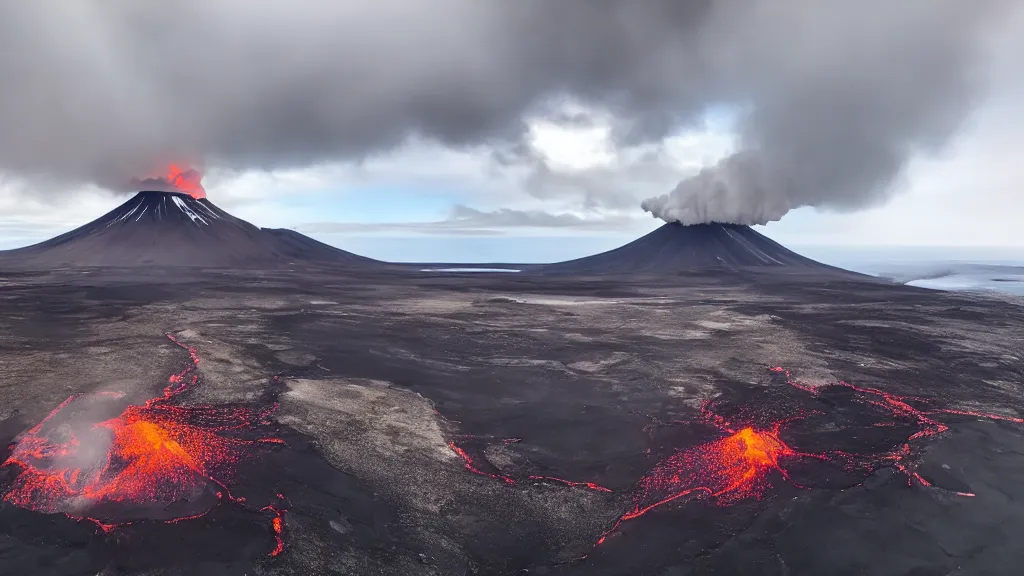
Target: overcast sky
point(569, 180)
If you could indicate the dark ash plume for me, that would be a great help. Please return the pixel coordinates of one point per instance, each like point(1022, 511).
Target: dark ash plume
point(835, 96)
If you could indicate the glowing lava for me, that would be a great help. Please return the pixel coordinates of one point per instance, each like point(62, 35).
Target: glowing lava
point(188, 181)
point(467, 461)
point(748, 452)
point(276, 525)
point(740, 464)
point(905, 409)
point(156, 460)
point(728, 470)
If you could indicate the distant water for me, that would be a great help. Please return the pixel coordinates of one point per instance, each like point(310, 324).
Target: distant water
point(975, 269)
point(1010, 284)
point(469, 270)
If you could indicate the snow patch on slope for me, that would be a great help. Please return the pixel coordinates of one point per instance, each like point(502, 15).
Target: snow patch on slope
point(196, 218)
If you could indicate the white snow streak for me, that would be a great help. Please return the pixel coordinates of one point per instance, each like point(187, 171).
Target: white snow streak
point(210, 210)
point(188, 211)
point(124, 216)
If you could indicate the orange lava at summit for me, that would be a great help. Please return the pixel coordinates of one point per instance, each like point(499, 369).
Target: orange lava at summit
point(188, 181)
point(156, 460)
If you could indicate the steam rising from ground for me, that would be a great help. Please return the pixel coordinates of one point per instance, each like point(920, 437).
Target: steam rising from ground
point(834, 97)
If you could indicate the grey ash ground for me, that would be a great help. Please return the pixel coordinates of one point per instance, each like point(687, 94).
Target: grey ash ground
point(590, 379)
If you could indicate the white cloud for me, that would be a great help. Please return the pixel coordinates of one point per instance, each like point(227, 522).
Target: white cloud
point(572, 148)
point(970, 195)
point(29, 218)
point(571, 168)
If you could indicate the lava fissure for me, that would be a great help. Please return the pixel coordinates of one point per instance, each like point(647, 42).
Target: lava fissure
point(469, 464)
point(158, 460)
point(732, 468)
point(277, 524)
point(590, 485)
point(899, 408)
point(738, 465)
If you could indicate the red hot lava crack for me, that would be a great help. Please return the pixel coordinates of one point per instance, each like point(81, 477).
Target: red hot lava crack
point(729, 469)
point(900, 408)
point(469, 464)
point(738, 465)
point(154, 453)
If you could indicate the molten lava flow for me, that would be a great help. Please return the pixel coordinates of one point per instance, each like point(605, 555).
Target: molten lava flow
point(142, 463)
point(467, 461)
point(729, 469)
point(906, 409)
point(188, 181)
point(277, 526)
point(738, 465)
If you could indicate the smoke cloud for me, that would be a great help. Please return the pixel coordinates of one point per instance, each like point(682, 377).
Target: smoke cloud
point(842, 96)
point(832, 97)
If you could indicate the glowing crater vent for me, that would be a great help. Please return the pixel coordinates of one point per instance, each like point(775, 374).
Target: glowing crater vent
point(186, 180)
point(728, 470)
point(741, 463)
point(95, 457)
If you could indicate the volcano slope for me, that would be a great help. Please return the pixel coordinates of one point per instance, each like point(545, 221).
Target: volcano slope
point(170, 229)
point(341, 421)
point(673, 247)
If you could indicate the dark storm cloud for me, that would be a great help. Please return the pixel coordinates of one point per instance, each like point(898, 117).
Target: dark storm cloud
point(837, 94)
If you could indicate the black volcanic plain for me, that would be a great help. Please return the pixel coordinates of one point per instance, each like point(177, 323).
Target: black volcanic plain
point(559, 374)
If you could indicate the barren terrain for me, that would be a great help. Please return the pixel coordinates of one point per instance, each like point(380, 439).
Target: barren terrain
point(530, 424)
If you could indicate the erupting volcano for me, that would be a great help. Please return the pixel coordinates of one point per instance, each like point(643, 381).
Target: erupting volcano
point(176, 228)
point(177, 177)
point(94, 458)
point(188, 181)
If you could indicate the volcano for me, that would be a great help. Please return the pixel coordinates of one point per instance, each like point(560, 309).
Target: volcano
point(674, 247)
point(176, 229)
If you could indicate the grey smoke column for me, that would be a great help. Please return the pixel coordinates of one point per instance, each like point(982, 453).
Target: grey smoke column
point(835, 95)
point(838, 99)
